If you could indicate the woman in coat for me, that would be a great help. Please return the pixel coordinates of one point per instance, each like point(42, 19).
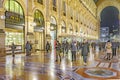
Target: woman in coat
point(108, 48)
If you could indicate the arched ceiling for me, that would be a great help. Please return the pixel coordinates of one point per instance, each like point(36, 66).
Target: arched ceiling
point(98, 2)
point(101, 4)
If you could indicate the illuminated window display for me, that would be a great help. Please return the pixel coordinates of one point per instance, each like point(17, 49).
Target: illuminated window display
point(15, 37)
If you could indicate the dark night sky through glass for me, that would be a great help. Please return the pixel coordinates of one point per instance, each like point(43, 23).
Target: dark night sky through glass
point(109, 18)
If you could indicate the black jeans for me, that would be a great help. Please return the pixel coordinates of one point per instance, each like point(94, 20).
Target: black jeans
point(58, 55)
point(108, 56)
point(114, 52)
point(73, 55)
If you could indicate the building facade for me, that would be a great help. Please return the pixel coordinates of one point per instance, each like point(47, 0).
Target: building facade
point(39, 21)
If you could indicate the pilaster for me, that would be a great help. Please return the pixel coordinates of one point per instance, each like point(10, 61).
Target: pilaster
point(29, 30)
point(2, 33)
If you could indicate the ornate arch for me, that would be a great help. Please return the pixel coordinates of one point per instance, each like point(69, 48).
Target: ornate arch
point(39, 18)
point(105, 4)
point(37, 8)
point(21, 2)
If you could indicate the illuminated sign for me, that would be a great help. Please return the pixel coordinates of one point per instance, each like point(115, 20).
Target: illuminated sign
point(14, 18)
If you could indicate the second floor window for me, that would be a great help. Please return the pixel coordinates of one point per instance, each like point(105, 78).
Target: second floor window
point(54, 5)
point(71, 13)
point(64, 8)
point(76, 17)
point(40, 1)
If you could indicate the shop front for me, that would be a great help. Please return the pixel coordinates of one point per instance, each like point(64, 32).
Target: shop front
point(14, 26)
point(39, 32)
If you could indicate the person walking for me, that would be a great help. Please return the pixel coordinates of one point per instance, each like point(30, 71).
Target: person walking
point(47, 46)
point(85, 51)
point(108, 48)
point(13, 47)
point(28, 48)
point(73, 50)
point(66, 48)
point(58, 51)
point(114, 47)
point(63, 48)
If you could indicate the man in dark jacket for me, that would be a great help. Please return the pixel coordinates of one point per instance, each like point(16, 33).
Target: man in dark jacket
point(58, 51)
point(73, 50)
point(47, 46)
point(85, 51)
point(66, 47)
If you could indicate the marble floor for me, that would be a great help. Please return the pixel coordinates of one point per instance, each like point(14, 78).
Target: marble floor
point(42, 66)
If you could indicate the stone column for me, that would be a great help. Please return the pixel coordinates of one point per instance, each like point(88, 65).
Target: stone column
point(29, 31)
point(2, 33)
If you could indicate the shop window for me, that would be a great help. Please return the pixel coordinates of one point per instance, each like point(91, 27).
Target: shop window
point(39, 20)
point(14, 25)
point(40, 1)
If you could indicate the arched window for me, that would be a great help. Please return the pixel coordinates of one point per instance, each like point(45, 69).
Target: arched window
point(14, 14)
point(63, 27)
point(53, 23)
point(70, 28)
point(14, 6)
point(39, 20)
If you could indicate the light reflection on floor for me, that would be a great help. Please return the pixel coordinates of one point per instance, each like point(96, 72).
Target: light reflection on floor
point(42, 66)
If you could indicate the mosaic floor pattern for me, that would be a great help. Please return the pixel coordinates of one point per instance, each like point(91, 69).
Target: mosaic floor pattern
point(37, 67)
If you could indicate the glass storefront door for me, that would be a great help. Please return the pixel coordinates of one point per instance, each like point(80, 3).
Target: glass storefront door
point(39, 41)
